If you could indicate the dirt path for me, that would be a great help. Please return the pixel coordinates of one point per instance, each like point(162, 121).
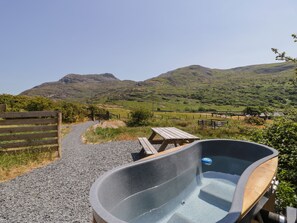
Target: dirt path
point(59, 192)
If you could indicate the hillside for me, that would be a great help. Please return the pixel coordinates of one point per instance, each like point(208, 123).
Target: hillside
point(261, 85)
point(79, 87)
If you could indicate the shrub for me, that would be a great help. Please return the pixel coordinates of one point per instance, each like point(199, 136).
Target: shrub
point(254, 120)
point(282, 135)
point(251, 111)
point(139, 117)
point(97, 112)
point(39, 104)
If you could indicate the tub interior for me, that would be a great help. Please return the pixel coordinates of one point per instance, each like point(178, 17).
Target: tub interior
point(201, 190)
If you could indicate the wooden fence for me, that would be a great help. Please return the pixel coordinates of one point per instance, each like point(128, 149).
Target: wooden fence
point(40, 130)
point(213, 123)
point(2, 107)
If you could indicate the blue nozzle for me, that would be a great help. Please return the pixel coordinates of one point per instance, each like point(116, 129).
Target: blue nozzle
point(206, 161)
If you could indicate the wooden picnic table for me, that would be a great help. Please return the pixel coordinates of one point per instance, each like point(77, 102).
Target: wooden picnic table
point(170, 135)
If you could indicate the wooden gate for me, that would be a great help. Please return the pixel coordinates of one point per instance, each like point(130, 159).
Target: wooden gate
point(37, 130)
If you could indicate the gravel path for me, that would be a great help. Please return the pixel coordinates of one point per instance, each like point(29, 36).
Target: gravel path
point(59, 192)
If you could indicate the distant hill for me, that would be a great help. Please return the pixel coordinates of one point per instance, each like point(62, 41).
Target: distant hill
point(261, 85)
point(79, 87)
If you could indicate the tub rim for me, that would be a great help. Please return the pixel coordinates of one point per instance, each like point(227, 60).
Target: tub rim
point(233, 214)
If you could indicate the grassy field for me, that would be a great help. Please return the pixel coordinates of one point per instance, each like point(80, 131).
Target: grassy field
point(236, 127)
point(176, 105)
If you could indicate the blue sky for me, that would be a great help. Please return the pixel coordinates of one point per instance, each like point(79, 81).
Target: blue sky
point(43, 40)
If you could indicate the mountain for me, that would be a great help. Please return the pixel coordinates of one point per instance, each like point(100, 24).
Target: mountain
point(79, 87)
point(262, 85)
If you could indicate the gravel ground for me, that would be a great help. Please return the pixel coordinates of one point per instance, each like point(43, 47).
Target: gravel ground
point(59, 192)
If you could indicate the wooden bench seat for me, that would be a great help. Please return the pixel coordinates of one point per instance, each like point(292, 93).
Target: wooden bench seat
point(147, 147)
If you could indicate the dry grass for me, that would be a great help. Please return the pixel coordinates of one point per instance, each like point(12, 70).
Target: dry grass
point(102, 134)
point(114, 124)
point(8, 174)
point(66, 129)
point(13, 165)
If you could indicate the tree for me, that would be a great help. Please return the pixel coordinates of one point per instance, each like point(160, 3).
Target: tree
point(97, 112)
point(283, 57)
point(252, 110)
point(139, 117)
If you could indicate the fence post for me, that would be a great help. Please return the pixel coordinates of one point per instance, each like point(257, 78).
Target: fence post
point(59, 134)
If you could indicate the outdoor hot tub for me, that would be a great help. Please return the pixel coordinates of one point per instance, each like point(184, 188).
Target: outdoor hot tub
point(202, 182)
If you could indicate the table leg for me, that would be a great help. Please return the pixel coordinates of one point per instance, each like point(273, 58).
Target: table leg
point(163, 146)
point(152, 136)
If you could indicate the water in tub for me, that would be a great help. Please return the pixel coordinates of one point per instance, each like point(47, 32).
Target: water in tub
point(207, 198)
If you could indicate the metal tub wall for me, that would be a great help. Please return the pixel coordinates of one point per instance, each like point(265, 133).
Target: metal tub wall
point(170, 173)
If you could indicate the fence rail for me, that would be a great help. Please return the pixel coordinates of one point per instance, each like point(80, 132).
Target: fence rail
point(38, 130)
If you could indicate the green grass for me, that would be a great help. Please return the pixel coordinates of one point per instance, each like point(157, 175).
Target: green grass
point(177, 105)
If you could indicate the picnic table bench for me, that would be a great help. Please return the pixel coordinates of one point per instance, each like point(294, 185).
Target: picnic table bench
point(147, 147)
point(168, 135)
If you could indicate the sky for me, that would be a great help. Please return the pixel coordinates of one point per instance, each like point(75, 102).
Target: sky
point(43, 40)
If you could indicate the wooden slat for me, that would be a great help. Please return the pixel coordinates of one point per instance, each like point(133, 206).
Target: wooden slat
point(183, 134)
point(173, 133)
point(29, 121)
point(35, 149)
point(35, 131)
point(28, 136)
point(164, 152)
point(144, 146)
point(18, 129)
point(258, 183)
point(31, 114)
point(161, 132)
point(147, 146)
point(28, 144)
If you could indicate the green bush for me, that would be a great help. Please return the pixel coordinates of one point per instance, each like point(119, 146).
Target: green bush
point(14, 103)
point(282, 135)
point(139, 117)
point(286, 195)
point(39, 104)
point(71, 112)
